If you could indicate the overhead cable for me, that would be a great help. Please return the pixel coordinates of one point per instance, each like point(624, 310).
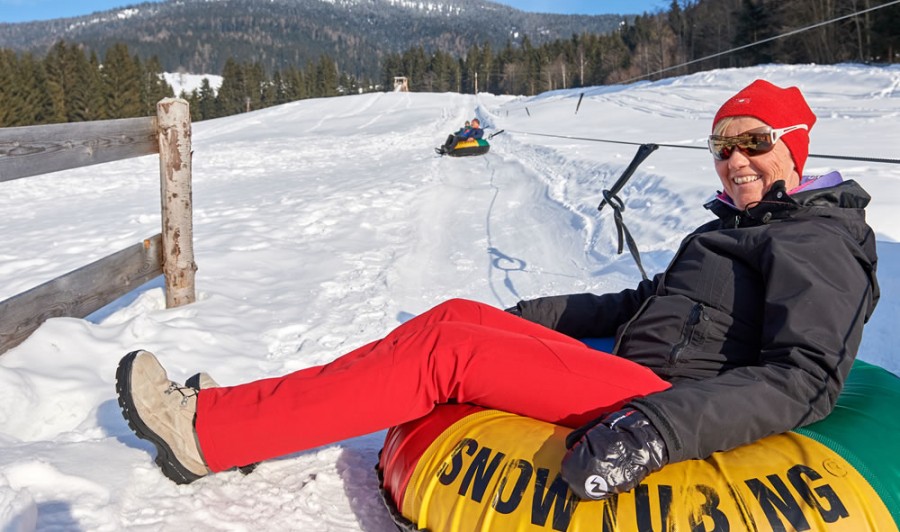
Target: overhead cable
point(763, 41)
point(742, 47)
point(685, 146)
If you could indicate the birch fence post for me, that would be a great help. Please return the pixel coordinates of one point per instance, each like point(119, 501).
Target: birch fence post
point(174, 123)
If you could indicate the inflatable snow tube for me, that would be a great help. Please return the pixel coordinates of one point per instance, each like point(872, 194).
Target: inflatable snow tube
point(470, 147)
point(465, 468)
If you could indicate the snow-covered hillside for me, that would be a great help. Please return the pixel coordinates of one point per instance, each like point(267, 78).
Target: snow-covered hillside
point(322, 224)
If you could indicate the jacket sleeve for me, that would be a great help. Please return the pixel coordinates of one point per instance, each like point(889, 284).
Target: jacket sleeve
point(817, 297)
point(476, 133)
point(587, 315)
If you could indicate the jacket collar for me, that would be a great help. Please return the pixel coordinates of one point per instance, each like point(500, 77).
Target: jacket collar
point(775, 204)
point(829, 190)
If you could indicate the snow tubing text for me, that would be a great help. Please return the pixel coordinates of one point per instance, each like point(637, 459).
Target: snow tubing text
point(464, 468)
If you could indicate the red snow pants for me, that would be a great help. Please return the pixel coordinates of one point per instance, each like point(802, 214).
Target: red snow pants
point(460, 351)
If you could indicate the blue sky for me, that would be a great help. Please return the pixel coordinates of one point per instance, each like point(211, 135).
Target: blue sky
point(23, 10)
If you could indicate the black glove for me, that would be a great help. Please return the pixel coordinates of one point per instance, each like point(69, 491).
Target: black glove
point(514, 311)
point(613, 454)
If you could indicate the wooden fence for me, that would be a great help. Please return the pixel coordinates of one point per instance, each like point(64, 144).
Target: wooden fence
point(36, 150)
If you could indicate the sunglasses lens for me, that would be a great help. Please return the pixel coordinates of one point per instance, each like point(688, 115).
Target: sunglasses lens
point(721, 149)
point(750, 143)
point(759, 143)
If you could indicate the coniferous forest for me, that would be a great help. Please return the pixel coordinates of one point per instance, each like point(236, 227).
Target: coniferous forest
point(71, 83)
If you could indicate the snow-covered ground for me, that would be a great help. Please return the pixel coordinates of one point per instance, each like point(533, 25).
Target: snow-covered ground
point(320, 225)
point(184, 83)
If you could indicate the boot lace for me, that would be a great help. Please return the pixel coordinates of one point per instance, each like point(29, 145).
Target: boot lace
point(186, 392)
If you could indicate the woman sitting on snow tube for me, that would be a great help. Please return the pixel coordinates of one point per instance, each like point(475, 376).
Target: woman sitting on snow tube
point(465, 468)
point(466, 141)
point(751, 331)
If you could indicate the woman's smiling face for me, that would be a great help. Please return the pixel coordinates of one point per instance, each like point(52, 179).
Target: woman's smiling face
point(746, 179)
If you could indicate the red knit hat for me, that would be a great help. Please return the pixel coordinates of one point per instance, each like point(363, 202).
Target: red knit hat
point(778, 108)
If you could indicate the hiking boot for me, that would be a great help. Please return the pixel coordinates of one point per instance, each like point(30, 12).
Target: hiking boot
point(161, 412)
point(441, 151)
point(203, 381)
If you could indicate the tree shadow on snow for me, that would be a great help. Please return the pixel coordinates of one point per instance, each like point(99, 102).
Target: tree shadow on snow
point(56, 515)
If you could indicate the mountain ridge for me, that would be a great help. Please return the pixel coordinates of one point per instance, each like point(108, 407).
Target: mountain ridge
point(193, 36)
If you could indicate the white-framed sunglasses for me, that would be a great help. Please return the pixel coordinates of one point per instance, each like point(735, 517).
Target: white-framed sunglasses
point(754, 142)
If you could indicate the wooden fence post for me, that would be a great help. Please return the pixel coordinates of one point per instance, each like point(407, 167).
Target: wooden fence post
point(174, 122)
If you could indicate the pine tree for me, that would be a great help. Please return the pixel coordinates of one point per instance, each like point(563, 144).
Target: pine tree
point(885, 37)
point(60, 80)
point(680, 26)
point(232, 92)
point(206, 101)
point(121, 77)
point(154, 87)
point(472, 75)
point(9, 65)
point(92, 104)
point(485, 68)
point(256, 87)
point(754, 23)
point(510, 70)
point(414, 68)
point(30, 103)
point(193, 104)
point(295, 84)
point(279, 88)
point(446, 71)
point(392, 66)
point(84, 86)
point(326, 80)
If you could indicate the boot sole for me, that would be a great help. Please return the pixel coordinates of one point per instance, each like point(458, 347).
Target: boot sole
point(165, 457)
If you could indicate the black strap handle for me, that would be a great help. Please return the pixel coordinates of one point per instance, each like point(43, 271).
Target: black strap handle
point(618, 206)
point(643, 152)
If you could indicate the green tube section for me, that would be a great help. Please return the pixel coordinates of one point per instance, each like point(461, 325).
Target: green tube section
point(864, 429)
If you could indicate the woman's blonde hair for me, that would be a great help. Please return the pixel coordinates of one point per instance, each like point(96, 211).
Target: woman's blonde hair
point(720, 126)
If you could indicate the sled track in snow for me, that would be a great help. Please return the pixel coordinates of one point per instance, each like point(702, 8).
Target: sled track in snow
point(577, 186)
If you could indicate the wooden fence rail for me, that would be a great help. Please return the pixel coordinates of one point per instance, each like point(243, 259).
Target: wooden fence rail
point(36, 150)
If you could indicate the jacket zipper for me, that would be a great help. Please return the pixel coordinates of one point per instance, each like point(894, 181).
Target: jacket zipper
point(689, 328)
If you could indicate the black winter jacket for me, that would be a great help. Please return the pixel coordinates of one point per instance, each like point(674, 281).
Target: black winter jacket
point(756, 321)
